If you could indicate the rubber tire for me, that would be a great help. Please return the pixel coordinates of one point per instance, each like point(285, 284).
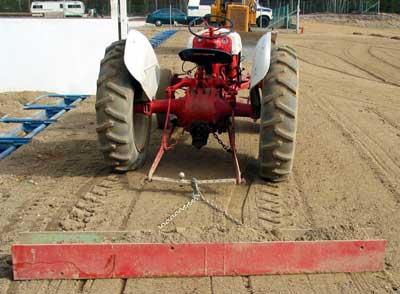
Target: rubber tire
point(116, 122)
point(165, 81)
point(278, 120)
point(158, 23)
point(263, 21)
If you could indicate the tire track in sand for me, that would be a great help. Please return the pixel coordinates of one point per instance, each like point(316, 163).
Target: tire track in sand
point(386, 169)
point(372, 48)
point(363, 67)
point(90, 203)
point(355, 65)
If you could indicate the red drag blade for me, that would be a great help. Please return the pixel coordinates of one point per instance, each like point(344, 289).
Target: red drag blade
point(88, 261)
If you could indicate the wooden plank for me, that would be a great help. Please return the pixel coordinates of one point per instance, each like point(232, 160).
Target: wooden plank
point(86, 261)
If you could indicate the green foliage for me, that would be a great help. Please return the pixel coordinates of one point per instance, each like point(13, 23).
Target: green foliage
point(14, 5)
point(391, 6)
point(142, 6)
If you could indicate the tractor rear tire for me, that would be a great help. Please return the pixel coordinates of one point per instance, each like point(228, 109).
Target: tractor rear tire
point(123, 134)
point(278, 124)
point(165, 82)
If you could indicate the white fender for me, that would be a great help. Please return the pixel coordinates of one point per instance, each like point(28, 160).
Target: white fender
point(141, 62)
point(261, 60)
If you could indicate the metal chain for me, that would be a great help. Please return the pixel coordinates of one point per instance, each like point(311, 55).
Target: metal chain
point(176, 213)
point(224, 212)
point(226, 147)
point(197, 196)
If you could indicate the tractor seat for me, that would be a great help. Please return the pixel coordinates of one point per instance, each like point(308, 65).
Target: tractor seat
point(204, 56)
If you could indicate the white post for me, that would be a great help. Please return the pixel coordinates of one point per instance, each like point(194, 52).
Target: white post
point(123, 12)
point(170, 14)
point(287, 16)
point(114, 10)
point(63, 8)
point(115, 15)
point(298, 17)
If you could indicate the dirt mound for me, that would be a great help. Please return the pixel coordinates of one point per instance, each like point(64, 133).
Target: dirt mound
point(382, 20)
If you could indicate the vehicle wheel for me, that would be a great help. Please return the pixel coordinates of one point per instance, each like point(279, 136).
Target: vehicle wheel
point(165, 81)
point(158, 23)
point(278, 123)
point(123, 134)
point(263, 21)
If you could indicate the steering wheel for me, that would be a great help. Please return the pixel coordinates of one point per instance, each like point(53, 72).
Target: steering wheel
point(212, 28)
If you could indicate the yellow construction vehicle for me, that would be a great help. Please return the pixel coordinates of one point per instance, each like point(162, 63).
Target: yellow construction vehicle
point(243, 13)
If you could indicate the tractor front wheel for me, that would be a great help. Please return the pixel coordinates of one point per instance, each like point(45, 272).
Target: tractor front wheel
point(123, 134)
point(279, 115)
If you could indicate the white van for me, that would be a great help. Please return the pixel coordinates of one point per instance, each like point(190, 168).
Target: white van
point(199, 8)
point(67, 8)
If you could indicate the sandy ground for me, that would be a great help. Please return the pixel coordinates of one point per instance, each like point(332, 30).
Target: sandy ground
point(346, 174)
point(383, 20)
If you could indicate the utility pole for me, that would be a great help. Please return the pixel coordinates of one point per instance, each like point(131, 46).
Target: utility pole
point(298, 17)
point(123, 16)
point(170, 14)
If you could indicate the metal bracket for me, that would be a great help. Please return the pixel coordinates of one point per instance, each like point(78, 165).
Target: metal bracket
point(31, 126)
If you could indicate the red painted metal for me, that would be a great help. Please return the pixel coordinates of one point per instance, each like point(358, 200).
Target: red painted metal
point(88, 261)
point(210, 97)
point(178, 105)
point(232, 142)
point(165, 145)
point(222, 43)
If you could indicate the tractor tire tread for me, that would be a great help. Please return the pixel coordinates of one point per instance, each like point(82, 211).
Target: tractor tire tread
point(104, 101)
point(123, 93)
point(115, 114)
point(271, 122)
point(288, 61)
point(279, 115)
point(271, 145)
point(116, 91)
point(116, 138)
point(104, 126)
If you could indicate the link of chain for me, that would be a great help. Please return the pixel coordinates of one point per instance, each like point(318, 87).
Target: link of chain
point(224, 146)
point(224, 212)
point(176, 213)
point(197, 196)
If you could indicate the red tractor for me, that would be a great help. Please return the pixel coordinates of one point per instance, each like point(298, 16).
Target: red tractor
point(131, 87)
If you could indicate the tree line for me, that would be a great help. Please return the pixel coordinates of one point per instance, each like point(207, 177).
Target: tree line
point(141, 6)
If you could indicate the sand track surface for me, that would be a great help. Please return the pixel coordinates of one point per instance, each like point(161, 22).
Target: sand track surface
point(346, 174)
